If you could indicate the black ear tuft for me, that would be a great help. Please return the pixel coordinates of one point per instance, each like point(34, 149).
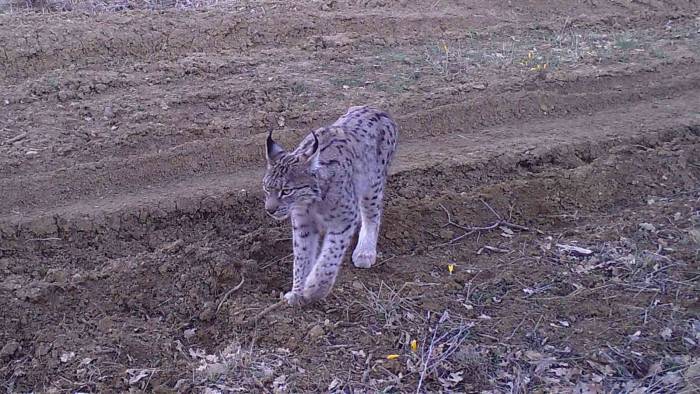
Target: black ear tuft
point(273, 149)
point(314, 148)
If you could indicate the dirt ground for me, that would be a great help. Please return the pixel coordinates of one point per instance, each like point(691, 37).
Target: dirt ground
point(542, 229)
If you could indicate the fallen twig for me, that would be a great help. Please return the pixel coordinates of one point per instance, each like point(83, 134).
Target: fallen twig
point(261, 314)
point(16, 138)
point(228, 293)
point(492, 249)
point(573, 249)
point(471, 230)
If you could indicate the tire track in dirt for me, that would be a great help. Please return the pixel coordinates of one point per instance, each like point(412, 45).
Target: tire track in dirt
point(222, 155)
point(511, 148)
point(107, 177)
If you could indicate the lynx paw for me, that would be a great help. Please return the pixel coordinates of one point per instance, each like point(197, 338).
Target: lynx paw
point(294, 298)
point(364, 258)
point(316, 293)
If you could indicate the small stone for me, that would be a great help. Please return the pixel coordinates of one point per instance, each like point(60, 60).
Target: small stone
point(67, 356)
point(183, 385)
point(77, 279)
point(695, 235)
point(357, 285)
point(189, 333)
point(446, 234)
point(56, 276)
point(172, 247)
point(208, 312)
point(42, 349)
point(163, 269)
point(647, 227)
point(9, 349)
point(215, 370)
point(316, 331)
point(31, 153)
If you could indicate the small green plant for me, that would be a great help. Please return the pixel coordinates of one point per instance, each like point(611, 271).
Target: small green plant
point(346, 81)
point(299, 87)
point(626, 42)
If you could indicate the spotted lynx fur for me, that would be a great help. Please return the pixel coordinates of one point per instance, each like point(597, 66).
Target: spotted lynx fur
point(329, 185)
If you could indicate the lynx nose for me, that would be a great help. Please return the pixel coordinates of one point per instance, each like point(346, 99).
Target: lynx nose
point(271, 207)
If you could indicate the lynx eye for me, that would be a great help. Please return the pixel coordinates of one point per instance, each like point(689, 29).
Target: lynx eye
point(286, 192)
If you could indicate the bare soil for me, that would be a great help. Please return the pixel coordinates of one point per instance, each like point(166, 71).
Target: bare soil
point(542, 229)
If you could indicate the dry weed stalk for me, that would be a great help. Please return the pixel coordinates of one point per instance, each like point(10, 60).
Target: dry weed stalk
point(471, 230)
point(228, 293)
point(449, 341)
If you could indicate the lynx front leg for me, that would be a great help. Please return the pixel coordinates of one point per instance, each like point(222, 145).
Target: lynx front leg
point(365, 253)
point(322, 276)
point(305, 236)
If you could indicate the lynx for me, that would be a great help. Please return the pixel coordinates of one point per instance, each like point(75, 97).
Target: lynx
point(329, 185)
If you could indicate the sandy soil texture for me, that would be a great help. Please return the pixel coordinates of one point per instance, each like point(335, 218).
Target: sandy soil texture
point(542, 229)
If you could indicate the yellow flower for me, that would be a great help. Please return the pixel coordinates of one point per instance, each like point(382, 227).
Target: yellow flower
point(450, 267)
point(414, 345)
point(392, 357)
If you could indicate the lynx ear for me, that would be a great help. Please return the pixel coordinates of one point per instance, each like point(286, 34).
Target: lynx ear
point(311, 153)
point(274, 150)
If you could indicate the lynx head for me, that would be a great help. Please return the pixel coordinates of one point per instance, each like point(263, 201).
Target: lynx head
point(290, 180)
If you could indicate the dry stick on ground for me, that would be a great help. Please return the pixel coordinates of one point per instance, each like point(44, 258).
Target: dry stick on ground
point(16, 138)
point(256, 318)
point(472, 230)
point(228, 293)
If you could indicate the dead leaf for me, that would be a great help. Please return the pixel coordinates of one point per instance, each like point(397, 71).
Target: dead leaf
point(452, 380)
point(190, 333)
point(635, 336)
point(135, 375)
point(533, 355)
point(67, 356)
point(647, 227)
point(666, 333)
point(334, 384)
point(197, 353)
point(692, 374)
point(561, 371)
point(279, 385)
point(587, 388)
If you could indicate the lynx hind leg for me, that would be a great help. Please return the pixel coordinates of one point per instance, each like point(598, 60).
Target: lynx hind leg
point(365, 253)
